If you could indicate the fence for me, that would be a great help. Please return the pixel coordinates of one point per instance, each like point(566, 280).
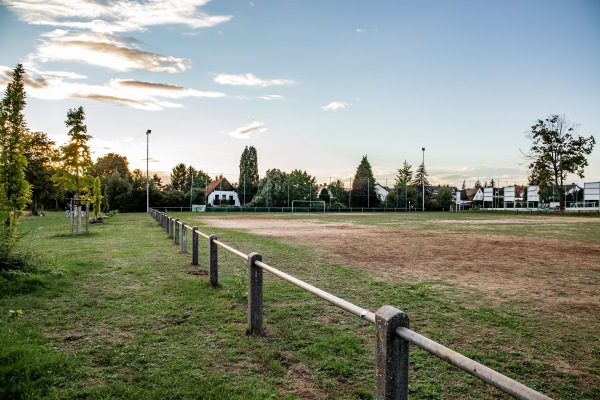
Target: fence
point(393, 334)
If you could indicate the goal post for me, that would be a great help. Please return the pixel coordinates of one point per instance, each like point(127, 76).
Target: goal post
point(310, 202)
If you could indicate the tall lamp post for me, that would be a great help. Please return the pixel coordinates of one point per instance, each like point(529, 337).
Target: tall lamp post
point(148, 132)
point(423, 178)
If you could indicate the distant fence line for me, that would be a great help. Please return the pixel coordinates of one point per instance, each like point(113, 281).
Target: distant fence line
point(392, 332)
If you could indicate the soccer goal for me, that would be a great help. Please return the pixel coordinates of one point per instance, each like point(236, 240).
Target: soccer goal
point(310, 202)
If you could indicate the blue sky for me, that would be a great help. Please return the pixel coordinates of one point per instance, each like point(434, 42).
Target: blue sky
point(313, 85)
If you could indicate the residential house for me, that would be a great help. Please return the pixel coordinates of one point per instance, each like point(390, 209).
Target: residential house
point(221, 193)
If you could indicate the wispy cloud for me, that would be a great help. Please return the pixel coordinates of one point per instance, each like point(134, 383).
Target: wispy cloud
point(104, 50)
point(271, 97)
point(87, 32)
point(137, 94)
point(335, 105)
point(250, 80)
point(245, 132)
point(115, 16)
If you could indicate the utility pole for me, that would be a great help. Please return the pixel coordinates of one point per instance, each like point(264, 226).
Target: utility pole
point(148, 132)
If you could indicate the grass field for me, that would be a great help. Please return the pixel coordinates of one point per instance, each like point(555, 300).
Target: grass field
point(120, 312)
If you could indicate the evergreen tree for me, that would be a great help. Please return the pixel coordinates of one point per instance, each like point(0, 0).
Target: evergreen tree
point(404, 176)
point(363, 187)
point(420, 181)
point(248, 180)
point(15, 191)
point(463, 191)
point(478, 184)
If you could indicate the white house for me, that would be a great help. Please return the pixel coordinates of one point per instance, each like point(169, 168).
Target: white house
point(382, 191)
point(221, 193)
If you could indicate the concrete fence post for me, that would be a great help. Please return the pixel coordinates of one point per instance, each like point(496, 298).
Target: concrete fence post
point(176, 230)
point(183, 237)
point(194, 246)
point(255, 296)
point(391, 355)
point(213, 260)
point(170, 230)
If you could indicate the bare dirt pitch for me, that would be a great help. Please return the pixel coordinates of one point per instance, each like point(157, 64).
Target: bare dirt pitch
point(558, 276)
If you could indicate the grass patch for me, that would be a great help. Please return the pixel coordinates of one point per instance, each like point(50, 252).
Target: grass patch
point(120, 313)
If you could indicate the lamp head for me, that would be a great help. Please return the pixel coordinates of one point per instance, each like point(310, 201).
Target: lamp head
point(423, 148)
point(148, 132)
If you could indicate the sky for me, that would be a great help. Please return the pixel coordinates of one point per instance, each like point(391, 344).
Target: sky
point(313, 85)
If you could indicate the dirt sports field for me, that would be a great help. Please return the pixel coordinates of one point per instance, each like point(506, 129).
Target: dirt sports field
point(560, 274)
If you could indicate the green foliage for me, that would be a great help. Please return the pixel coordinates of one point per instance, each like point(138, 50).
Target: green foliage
point(363, 192)
point(15, 191)
point(556, 151)
point(445, 198)
point(76, 161)
point(249, 173)
point(339, 194)
point(404, 176)
point(301, 186)
point(97, 198)
point(272, 190)
point(110, 163)
point(42, 156)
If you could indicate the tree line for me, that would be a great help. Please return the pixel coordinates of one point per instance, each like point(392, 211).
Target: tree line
point(36, 173)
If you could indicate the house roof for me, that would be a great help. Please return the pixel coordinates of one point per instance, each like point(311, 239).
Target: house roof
point(220, 184)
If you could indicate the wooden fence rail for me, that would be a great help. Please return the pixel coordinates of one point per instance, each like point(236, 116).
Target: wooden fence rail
point(393, 334)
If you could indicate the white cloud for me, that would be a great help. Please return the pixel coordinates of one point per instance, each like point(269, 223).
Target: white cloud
point(271, 97)
point(137, 94)
point(104, 50)
point(335, 105)
point(115, 16)
point(250, 80)
point(245, 132)
point(359, 30)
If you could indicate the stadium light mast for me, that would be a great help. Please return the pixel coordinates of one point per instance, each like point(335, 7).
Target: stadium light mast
point(148, 132)
point(423, 178)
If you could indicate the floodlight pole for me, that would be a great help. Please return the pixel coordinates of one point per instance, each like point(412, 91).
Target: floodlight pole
point(148, 132)
point(423, 178)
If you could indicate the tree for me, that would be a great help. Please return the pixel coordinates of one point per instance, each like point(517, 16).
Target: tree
point(178, 177)
point(76, 162)
point(200, 181)
point(272, 190)
point(97, 198)
point(15, 191)
point(478, 184)
point(463, 191)
point(339, 194)
point(404, 176)
point(301, 186)
point(248, 180)
point(110, 163)
point(445, 198)
point(324, 195)
point(42, 156)
point(556, 151)
point(363, 187)
point(420, 181)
